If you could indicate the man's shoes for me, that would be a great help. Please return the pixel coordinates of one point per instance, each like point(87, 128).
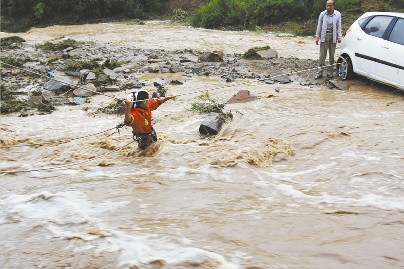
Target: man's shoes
point(318, 75)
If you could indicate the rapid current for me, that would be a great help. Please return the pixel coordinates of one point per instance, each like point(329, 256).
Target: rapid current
point(303, 177)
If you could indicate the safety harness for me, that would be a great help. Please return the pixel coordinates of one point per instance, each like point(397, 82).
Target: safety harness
point(145, 140)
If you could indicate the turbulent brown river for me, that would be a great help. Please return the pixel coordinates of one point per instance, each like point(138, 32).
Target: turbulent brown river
point(303, 177)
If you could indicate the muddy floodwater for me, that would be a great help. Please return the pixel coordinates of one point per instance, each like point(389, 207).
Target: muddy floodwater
point(303, 177)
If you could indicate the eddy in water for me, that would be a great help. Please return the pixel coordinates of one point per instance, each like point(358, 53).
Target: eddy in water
point(138, 115)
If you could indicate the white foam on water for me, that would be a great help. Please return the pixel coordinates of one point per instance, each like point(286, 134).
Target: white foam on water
point(365, 200)
point(135, 252)
point(355, 156)
point(291, 191)
point(62, 207)
point(291, 174)
point(377, 115)
point(354, 198)
point(70, 215)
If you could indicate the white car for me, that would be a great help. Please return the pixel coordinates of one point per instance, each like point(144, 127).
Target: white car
point(373, 47)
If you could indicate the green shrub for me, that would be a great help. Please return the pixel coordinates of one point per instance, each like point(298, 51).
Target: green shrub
point(39, 10)
point(207, 105)
point(112, 63)
point(12, 105)
point(179, 14)
point(209, 15)
point(21, 14)
point(7, 42)
point(49, 46)
point(47, 108)
point(248, 14)
point(77, 65)
point(11, 60)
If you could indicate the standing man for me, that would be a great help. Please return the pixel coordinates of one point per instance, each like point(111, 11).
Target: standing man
point(328, 34)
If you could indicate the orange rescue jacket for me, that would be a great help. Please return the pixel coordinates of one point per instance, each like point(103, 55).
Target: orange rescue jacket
point(142, 118)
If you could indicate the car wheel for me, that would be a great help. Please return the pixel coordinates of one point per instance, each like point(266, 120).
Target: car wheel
point(344, 69)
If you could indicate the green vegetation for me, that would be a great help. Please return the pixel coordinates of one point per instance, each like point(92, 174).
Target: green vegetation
point(77, 65)
point(299, 15)
point(9, 42)
point(179, 15)
point(46, 108)
point(9, 103)
point(112, 63)
point(207, 105)
point(135, 22)
point(19, 15)
point(11, 60)
point(12, 105)
point(58, 46)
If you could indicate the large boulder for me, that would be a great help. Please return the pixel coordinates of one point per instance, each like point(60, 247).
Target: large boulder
point(242, 96)
point(111, 74)
point(188, 57)
point(211, 124)
point(260, 53)
point(85, 90)
point(282, 79)
point(340, 85)
point(54, 85)
point(216, 56)
point(268, 54)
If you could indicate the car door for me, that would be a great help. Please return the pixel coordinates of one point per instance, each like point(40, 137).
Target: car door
point(368, 54)
point(392, 53)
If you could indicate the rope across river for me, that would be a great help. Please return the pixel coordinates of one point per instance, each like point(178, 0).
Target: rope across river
point(63, 141)
point(62, 167)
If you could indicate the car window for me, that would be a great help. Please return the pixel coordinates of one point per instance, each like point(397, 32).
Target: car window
point(397, 34)
point(377, 25)
point(361, 21)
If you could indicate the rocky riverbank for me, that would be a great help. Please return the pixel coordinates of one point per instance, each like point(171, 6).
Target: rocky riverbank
point(39, 77)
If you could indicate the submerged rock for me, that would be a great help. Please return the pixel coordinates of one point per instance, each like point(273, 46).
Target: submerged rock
point(283, 79)
point(211, 124)
point(340, 85)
